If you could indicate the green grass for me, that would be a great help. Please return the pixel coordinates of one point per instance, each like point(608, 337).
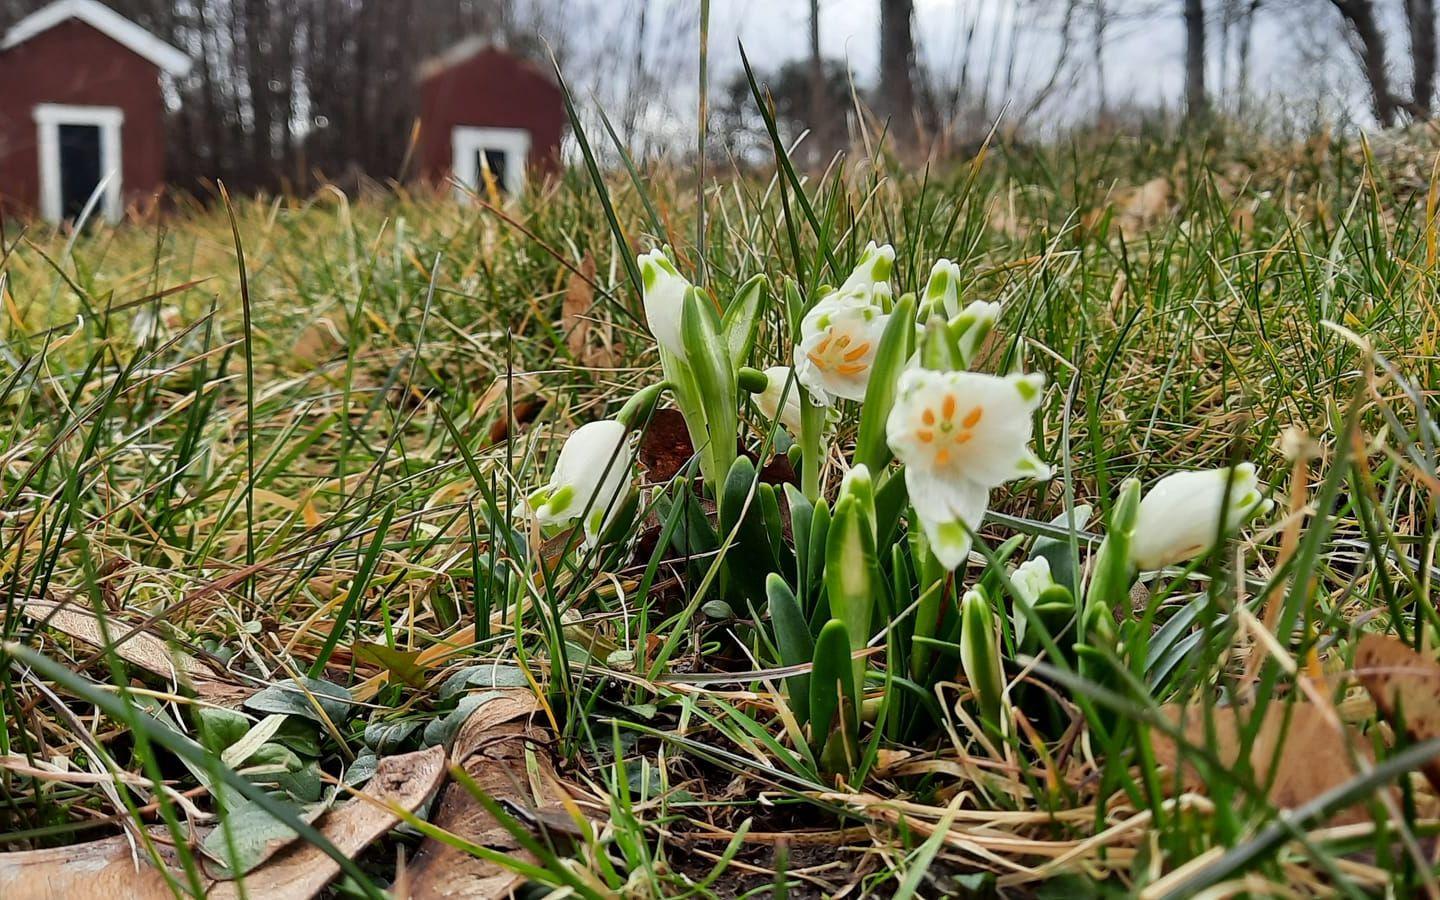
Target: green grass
point(345, 488)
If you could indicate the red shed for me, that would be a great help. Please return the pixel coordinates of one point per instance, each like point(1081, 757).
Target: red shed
point(483, 107)
point(81, 110)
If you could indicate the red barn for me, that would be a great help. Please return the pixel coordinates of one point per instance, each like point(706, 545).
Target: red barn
point(81, 110)
point(482, 107)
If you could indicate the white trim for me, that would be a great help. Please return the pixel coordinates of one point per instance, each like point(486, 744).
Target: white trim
point(466, 141)
point(48, 119)
point(106, 21)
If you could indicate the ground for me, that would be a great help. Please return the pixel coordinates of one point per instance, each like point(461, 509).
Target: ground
point(290, 436)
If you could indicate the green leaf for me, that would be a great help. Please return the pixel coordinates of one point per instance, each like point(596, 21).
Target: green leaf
point(980, 655)
point(219, 728)
point(287, 698)
point(832, 686)
point(801, 512)
point(708, 359)
point(1057, 550)
point(819, 536)
point(852, 572)
point(792, 636)
point(750, 558)
point(403, 664)
point(741, 322)
point(254, 834)
point(897, 344)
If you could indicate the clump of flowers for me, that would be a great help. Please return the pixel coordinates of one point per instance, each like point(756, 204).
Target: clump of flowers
point(883, 560)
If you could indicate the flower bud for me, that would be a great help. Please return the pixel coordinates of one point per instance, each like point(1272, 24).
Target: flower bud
point(778, 383)
point(874, 267)
point(942, 291)
point(1183, 514)
point(591, 474)
point(663, 296)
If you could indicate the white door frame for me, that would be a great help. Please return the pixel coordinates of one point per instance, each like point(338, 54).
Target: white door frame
point(48, 118)
point(466, 142)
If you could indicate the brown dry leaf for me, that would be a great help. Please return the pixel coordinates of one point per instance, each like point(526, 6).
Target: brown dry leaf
point(492, 746)
point(143, 649)
point(665, 448)
point(1313, 758)
point(104, 868)
point(1402, 682)
point(319, 343)
point(302, 870)
point(523, 413)
point(575, 321)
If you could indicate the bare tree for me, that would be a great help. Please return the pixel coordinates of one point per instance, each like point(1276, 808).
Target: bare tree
point(819, 115)
point(1369, 41)
point(1197, 104)
point(1420, 19)
point(897, 68)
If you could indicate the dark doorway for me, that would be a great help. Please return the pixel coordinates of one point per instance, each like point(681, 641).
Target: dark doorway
point(79, 167)
point(494, 161)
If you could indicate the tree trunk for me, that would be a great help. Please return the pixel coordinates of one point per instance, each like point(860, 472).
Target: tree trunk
point(1360, 16)
point(1420, 18)
point(820, 130)
point(1197, 106)
point(897, 62)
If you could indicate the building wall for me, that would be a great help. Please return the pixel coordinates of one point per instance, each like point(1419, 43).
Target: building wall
point(75, 64)
point(492, 89)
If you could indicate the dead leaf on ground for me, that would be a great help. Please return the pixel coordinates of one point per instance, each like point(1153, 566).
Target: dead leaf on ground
point(525, 411)
point(1312, 759)
point(104, 868)
point(302, 870)
point(142, 649)
point(665, 449)
point(577, 324)
point(319, 343)
point(1405, 685)
point(492, 747)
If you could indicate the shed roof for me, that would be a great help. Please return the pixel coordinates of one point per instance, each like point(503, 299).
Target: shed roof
point(470, 48)
point(106, 21)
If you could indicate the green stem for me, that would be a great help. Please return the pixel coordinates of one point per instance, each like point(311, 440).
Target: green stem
point(812, 445)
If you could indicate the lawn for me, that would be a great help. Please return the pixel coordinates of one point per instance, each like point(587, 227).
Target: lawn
point(264, 530)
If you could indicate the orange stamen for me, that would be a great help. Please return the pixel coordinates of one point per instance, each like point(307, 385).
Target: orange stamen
point(925, 436)
point(850, 368)
point(949, 408)
point(859, 351)
point(973, 417)
point(943, 457)
point(928, 417)
point(817, 359)
point(963, 437)
point(824, 344)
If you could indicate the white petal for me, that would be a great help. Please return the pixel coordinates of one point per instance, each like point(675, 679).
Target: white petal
point(778, 382)
point(837, 350)
point(663, 296)
point(942, 505)
point(995, 447)
point(1182, 514)
point(874, 267)
point(594, 463)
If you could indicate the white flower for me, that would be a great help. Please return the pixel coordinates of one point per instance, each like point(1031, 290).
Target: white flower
point(960, 434)
point(873, 268)
point(591, 475)
point(1030, 580)
point(1180, 517)
point(942, 291)
point(838, 341)
point(971, 325)
point(663, 297)
point(777, 383)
